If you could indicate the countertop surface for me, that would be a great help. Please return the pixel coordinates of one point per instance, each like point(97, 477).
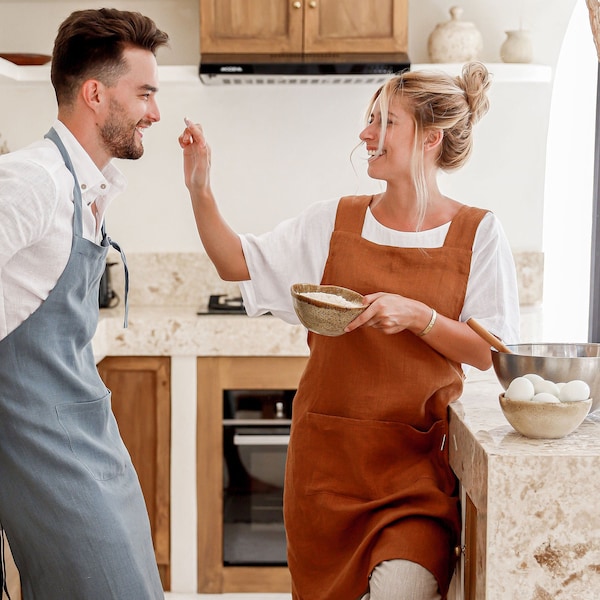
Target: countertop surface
point(478, 412)
point(536, 534)
point(180, 331)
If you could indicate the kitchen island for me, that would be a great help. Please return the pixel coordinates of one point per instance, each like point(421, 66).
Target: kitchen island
point(532, 525)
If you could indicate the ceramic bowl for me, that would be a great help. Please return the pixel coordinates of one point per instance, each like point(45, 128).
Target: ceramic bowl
point(321, 315)
point(556, 362)
point(544, 420)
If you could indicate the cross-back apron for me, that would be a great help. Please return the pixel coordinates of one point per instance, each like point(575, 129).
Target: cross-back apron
point(70, 500)
point(367, 476)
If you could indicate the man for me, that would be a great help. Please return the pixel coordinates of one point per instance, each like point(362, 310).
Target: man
point(70, 500)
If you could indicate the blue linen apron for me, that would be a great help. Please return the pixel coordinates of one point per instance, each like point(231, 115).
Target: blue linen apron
point(70, 499)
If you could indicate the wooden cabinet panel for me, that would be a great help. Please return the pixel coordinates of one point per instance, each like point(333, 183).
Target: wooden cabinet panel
point(471, 554)
point(250, 26)
point(303, 26)
point(141, 402)
point(356, 26)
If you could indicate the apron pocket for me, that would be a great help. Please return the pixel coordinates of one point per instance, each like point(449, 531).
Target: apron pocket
point(370, 460)
point(94, 437)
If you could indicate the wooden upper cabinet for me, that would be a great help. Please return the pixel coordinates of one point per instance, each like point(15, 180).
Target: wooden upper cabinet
point(303, 26)
point(355, 26)
point(250, 26)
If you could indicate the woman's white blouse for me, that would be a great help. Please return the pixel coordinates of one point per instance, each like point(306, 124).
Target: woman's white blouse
point(296, 252)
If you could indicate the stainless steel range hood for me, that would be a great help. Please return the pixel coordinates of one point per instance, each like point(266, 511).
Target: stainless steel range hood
point(240, 69)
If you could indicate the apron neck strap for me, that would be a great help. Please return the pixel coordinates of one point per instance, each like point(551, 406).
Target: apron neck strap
point(77, 199)
point(77, 216)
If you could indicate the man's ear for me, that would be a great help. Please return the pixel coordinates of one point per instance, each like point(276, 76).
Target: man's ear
point(433, 139)
point(91, 92)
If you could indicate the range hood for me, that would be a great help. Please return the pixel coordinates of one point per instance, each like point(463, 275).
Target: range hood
point(239, 69)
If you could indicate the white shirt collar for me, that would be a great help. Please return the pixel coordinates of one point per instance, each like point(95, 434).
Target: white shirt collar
point(94, 184)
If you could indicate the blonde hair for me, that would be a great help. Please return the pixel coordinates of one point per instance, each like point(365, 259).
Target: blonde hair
point(437, 102)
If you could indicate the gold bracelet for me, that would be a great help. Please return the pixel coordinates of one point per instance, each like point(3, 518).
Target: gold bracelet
point(430, 324)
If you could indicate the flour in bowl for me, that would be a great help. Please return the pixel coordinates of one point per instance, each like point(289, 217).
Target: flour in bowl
point(331, 299)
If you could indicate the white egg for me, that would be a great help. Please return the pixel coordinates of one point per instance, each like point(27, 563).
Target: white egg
point(574, 391)
point(545, 397)
point(546, 386)
point(520, 388)
point(533, 377)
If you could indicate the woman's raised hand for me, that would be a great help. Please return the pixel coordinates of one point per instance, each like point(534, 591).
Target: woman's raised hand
point(196, 157)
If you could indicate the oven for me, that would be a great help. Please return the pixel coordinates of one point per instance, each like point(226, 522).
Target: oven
point(256, 430)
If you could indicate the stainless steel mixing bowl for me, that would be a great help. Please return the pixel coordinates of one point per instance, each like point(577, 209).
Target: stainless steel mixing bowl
point(556, 362)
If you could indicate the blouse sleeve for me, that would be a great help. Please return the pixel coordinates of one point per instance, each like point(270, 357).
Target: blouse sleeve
point(294, 252)
point(492, 294)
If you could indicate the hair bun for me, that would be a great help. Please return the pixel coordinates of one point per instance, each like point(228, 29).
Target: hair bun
point(475, 81)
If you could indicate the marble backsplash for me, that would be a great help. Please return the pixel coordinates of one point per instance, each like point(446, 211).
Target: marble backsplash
point(188, 279)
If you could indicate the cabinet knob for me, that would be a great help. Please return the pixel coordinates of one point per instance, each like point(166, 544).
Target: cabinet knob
point(297, 4)
point(312, 4)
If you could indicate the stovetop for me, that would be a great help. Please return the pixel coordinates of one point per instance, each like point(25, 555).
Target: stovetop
point(222, 304)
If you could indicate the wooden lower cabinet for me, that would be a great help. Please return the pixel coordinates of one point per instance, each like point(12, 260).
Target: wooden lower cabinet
point(471, 555)
point(464, 582)
point(216, 374)
point(141, 402)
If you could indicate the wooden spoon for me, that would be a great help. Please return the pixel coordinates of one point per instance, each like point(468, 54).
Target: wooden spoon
point(491, 339)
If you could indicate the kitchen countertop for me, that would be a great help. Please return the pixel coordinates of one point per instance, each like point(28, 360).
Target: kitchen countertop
point(180, 331)
point(538, 526)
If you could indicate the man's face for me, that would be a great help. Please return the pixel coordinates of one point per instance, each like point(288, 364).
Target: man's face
point(131, 106)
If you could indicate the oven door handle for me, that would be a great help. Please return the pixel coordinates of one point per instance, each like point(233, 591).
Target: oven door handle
point(261, 440)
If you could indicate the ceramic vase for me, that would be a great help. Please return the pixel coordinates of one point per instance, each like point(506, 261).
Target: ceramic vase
point(517, 47)
point(454, 41)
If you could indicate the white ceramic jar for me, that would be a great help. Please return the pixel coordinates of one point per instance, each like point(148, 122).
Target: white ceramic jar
point(455, 41)
point(517, 47)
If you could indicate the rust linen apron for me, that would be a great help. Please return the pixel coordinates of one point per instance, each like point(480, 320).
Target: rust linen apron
point(367, 475)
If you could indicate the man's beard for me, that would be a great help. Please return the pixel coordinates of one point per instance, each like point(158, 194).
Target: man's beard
point(119, 135)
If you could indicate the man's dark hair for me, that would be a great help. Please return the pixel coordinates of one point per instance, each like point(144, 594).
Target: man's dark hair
point(90, 44)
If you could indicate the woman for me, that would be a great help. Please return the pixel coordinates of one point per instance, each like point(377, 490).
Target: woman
point(370, 502)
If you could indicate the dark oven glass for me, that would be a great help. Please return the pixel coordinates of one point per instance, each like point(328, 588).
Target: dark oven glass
point(256, 429)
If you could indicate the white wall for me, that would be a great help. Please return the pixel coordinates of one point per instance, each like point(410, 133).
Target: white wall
point(277, 149)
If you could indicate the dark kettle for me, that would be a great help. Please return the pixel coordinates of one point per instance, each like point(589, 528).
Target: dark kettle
point(107, 298)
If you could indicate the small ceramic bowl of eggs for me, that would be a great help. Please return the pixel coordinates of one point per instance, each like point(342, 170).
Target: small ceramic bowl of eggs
point(542, 409)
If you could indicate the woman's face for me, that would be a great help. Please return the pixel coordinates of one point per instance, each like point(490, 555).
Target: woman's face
point(394, 159)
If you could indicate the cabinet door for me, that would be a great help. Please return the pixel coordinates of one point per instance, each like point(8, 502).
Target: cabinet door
point(141, 403)
point(361, 26)
point(250, 26)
